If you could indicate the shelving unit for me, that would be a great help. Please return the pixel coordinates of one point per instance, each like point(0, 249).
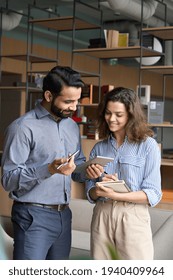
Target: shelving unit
point(72, 23)
point(33, 59)
point(30, 59)
point(163, 33)
point(58, 24)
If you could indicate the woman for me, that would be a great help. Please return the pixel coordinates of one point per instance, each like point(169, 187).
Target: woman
point(122, 219)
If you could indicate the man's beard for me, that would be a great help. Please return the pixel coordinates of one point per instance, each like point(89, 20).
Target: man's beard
point(59, 113)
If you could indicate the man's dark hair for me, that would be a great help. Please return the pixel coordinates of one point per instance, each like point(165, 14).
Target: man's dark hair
point(61, 76)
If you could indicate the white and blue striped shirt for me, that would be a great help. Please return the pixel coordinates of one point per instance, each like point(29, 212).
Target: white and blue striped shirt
point(138, 164)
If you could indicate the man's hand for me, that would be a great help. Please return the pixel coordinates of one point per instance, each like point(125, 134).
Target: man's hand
point(62, 166)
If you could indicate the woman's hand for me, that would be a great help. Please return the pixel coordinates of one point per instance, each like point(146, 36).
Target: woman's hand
point(110, 177)
point(94, 171)
point(102, 191)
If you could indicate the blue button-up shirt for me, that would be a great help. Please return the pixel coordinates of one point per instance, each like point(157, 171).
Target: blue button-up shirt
point(31, 143)
point(138, 164)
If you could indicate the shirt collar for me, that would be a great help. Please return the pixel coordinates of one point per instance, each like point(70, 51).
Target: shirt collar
point(112, 139)
point(40, 111)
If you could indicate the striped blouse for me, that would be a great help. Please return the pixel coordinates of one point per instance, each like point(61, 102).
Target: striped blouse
point(138, 164)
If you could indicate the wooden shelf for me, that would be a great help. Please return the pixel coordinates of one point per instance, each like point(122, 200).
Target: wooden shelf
point(167, 195)
point(167, 162)
point(86, 74)
point(123, 52)
point(164, 70)
point(160, 125)
point(32, 58)
point(64, 23)
point(164, 32)
point(88, 105)
point(13, 88)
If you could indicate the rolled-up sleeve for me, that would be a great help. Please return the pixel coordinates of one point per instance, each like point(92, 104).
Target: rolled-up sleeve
point(151, 184)
point(89, 184)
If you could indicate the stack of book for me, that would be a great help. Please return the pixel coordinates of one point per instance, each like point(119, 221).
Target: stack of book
point(114, 39)
point(87, 94)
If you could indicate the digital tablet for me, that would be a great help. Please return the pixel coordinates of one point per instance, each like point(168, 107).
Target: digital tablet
point(97, 160)
point(118, 186)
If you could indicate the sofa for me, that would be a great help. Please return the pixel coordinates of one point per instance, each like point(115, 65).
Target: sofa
point(161, 224)
point(6, 240)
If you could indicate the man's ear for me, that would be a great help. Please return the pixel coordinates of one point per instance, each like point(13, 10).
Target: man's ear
point(48, 96)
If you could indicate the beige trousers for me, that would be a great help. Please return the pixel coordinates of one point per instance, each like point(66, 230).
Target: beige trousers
point(126, 226)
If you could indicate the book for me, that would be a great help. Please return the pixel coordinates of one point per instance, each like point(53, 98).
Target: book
point(115, 39)
point(112, 38)
point(123, 40)
point(118, 186)
point(87, 94)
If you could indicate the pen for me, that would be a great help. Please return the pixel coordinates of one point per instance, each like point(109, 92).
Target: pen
point(63, 163)
point(115, 175)
point(68, 159)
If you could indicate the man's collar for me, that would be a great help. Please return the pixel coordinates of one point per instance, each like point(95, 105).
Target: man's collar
point(40, 111)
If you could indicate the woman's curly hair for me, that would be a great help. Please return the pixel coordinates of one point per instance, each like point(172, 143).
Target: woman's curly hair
point(136, 128)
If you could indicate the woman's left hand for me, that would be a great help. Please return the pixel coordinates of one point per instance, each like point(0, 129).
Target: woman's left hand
point(103, 191)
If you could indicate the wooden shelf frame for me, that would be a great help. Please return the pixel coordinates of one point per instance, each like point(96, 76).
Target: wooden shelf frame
point(22, 88)
point(31, 57)
point(163, 70)
point(165, 32)
point(160, 125)
point(64, 23)
point(123, 52)
point(167, 162)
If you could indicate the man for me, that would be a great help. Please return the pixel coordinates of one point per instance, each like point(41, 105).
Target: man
point(36, 144)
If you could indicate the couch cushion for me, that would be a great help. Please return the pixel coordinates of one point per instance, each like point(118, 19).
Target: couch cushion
point(158, 217)
point(6, 245)
point(162, 240)
point(81, 214)
point(7, 225)
point(80, 239)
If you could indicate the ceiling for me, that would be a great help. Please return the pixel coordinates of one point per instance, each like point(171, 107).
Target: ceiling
point(108, 12)
point(113, 16)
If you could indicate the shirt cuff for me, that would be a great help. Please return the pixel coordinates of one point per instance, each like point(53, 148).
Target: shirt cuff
point(89, 198)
